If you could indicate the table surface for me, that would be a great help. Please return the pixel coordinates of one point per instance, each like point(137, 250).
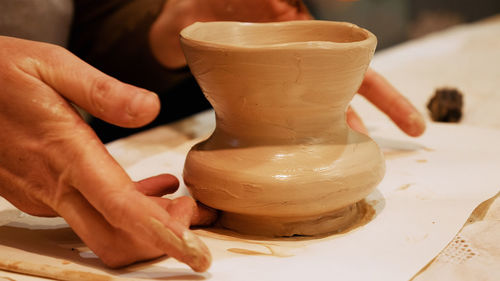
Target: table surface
point(466, 57)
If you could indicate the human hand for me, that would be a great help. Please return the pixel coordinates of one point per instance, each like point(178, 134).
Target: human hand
point(52, 163)
point(177, 14)
point(376, 89)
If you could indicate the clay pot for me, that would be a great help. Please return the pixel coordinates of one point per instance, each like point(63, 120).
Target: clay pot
point(282, 160)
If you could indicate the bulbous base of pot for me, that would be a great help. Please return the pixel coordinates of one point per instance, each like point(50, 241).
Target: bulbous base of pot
point(330, 222)
point(284, 190)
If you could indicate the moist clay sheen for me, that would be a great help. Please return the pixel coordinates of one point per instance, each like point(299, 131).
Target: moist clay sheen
point(282, 160)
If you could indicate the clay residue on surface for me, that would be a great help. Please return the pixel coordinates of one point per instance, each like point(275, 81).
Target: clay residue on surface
point(275, 251)
point(478, 214)
point(394, 154)
point(480, 211)
point(366, 214)
point(49, 271)
point(193, 250)
point(243, 244)
point(247, 252)
point(446, 105)
point(404, 187)
point(234, 243)
point(394, 148)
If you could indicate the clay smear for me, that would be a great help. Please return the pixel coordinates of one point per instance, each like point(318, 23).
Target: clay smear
point(235, 243)
point(192, 249)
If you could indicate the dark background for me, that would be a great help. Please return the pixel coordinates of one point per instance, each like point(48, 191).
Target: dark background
point(394, 21)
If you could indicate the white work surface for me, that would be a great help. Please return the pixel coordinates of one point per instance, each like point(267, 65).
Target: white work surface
point(431, 188)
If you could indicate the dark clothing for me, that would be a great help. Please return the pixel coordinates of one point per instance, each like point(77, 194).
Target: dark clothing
point(45, 21)
point(112, 35)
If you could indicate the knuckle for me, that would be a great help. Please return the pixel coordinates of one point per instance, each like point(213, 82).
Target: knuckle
point(53, 51)
point(116, 206)
point(53, 55)
point(100, 92)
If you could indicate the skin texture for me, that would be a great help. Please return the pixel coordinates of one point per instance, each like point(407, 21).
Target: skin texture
point(382, 94)
point(55, 164)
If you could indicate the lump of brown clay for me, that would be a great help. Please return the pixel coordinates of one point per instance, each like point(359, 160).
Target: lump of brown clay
point(282, 160)
point(446, 105)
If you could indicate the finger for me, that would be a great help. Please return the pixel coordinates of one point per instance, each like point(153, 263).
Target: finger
point(101, 95)
point(158, 185)
point(203, 215)
point(299, 11)
point(114, 247)
point(382, 94)
point(182, 209)
point(117, 199)
point(96, 175)
point(355, 121)
point(185, 209)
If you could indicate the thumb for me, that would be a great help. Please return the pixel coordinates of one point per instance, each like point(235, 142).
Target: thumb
point(101, 95)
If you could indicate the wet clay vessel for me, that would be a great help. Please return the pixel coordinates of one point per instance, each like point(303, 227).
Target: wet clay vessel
point(282, 160)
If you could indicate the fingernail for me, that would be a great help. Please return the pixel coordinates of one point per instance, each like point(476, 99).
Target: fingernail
point(142, 102)
point(201, 255)
point(417, 124)
point(192, 250)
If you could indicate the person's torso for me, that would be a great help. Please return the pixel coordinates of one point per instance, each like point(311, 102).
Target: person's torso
point(40, 20)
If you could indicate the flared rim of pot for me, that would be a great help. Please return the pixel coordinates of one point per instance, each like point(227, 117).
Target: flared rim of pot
point(301, 34)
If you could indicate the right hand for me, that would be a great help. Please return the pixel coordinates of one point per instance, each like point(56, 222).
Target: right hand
point(177, 14)
point(52, 163)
